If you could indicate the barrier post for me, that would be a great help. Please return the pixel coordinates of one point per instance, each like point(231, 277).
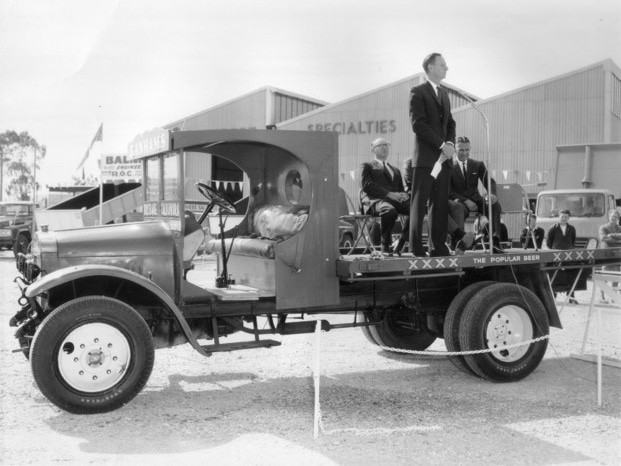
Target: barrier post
point(316, 378)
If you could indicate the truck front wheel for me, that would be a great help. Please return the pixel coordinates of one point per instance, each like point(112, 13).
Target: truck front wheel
point(92, 355)
point(497, 317)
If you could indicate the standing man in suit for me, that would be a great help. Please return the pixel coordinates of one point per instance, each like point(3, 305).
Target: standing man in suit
point(383, 194)
point(433, 124)
point(465, 176)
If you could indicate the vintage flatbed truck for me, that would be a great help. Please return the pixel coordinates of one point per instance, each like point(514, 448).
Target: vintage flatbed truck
point(97, 301)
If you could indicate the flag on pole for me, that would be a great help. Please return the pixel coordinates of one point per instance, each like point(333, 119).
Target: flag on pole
point(98, 137)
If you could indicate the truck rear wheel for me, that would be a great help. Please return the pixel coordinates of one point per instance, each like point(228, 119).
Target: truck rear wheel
point(399, 330)
point(499, 316)
point(92, 355)
point(453, 319)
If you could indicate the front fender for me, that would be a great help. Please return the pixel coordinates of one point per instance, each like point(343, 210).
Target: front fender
point(69, 274)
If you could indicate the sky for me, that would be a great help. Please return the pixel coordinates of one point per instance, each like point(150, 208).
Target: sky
point(68, 65)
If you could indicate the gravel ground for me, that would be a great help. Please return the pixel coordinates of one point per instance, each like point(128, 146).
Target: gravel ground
point(256, 407)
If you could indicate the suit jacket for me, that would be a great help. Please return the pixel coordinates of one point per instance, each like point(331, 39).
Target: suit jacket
point(462, 189)
point(432, 122)
point(557, 240)
point(376, 184)
point(527, 239)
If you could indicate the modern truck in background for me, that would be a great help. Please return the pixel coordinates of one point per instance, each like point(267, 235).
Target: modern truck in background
point(587, 183)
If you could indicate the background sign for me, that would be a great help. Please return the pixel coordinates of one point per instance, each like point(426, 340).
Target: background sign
point(120, 169)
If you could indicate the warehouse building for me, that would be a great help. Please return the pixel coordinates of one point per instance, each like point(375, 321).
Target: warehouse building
point(527, 125)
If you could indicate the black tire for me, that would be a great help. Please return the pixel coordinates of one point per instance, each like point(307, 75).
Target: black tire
point(366, 331)
point(504, 314)
point(347, 243)
point(92, 355)
point(21, 244)
point(398, 330)
point(453, 319)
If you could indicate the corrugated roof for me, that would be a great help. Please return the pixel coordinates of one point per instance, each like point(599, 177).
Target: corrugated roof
point(244, 96)
point(607, 64)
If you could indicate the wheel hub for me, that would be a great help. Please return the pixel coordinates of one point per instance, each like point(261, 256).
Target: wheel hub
point(94, 357)
point(509, 325)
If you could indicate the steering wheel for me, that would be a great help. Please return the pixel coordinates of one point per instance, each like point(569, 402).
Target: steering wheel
point(215, 198)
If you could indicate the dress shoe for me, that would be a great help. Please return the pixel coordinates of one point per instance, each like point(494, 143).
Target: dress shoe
point(441, 252)
point(386, 250)
point(399, 248)
point(465, 243)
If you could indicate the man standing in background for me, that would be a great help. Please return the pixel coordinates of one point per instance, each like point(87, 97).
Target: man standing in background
point(433, 124)
point(563, 236)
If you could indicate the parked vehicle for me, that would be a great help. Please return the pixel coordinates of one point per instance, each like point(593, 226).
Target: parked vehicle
point(586, 182)
point(96, 302)
point(16, 225)
point(588, 207)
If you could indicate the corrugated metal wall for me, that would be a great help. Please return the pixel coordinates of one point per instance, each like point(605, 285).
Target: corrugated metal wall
point(247, 111)
point(526, 125)
point(287, 106)
point(383, 112)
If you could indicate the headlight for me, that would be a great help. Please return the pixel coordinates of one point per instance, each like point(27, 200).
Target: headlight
point(32, 271)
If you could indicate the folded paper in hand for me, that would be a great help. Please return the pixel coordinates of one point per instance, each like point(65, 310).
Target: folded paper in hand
point(437, 168)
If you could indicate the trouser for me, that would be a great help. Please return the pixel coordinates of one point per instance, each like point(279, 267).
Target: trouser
point(435, 191)
point(388, 212)
point(494, 217)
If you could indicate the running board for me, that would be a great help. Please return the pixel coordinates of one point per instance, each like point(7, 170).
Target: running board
point(223, 347)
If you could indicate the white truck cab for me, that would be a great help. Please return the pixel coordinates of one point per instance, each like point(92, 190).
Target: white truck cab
point(588, 211)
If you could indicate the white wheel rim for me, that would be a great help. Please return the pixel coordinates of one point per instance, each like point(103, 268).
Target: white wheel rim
point(507, 326)
point(94, 357)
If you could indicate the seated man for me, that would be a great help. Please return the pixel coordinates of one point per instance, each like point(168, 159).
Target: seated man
point(530, 232)
point(383, 194)
point(459, 239)
point(466, 174)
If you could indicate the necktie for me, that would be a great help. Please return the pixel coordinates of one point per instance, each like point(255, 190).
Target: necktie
point(463, 171)
point(387, 171)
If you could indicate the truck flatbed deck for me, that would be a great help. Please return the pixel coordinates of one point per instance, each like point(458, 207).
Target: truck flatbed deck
point(365, 267)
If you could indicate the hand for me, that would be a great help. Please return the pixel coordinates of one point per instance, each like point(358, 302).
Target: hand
point(448, 150)
point(472, 206)
point(494, 199)
point(398, 197)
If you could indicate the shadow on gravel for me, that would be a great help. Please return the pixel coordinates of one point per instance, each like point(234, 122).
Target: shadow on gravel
point(200, 412)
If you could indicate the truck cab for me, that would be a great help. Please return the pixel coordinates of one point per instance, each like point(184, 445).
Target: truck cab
point(16, 219)
point(588, 211)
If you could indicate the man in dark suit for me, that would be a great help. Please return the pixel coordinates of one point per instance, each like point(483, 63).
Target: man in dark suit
point(433, 124)
point(383, 194)
point(465, 176)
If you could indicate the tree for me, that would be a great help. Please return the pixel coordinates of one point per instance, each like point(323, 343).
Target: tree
point(18, 153)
